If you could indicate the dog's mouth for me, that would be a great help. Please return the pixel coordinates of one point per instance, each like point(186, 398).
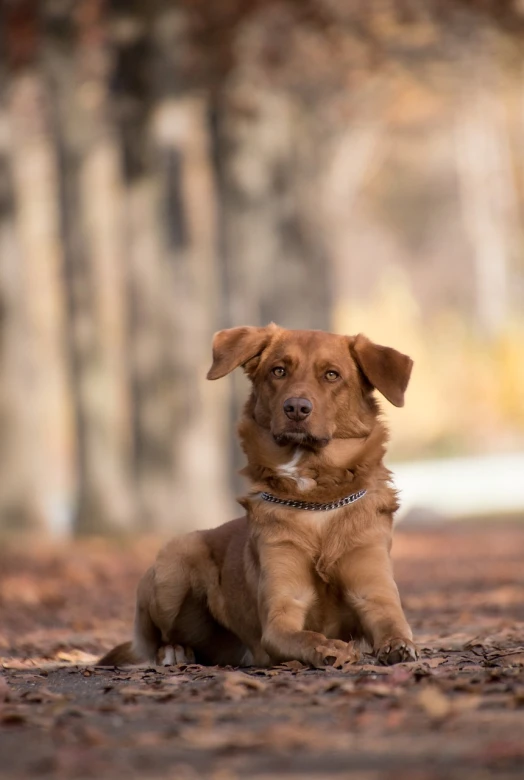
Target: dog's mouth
point(300, 437)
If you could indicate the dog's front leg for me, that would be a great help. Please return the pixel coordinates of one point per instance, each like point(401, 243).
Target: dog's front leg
point(286, 594)
point(367, 578)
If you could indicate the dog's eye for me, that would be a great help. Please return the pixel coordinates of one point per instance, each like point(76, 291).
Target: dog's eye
point(278, 371)
point(332, 376)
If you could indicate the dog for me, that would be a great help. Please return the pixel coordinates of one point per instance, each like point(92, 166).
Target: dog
point(306, 574)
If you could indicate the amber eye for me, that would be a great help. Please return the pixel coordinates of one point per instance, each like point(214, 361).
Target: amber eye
point(332, 376)
point(278, 371)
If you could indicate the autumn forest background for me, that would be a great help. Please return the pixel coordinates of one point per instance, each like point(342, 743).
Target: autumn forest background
point(171, 168)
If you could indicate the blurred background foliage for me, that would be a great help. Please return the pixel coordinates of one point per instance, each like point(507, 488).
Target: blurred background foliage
point(171, 168)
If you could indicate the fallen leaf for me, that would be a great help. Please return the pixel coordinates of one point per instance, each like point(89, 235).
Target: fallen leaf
point(293, 665)
point(237, 685)
point(434, 702)
point(90, 736)
point(76, 657)
point(345, 686)
point(434, 662)
point(42, 694)
point(159, 694)
point(381, 689)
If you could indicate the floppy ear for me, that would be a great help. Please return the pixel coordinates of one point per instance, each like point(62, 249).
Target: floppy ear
point(385, 368)
point(236, 346)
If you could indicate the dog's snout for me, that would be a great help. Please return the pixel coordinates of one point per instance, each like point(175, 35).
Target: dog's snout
point(297, 408)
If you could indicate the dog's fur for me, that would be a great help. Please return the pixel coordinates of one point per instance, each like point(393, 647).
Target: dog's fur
point(282, 583)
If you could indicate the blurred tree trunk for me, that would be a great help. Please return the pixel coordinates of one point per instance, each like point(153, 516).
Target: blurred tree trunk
point(151, 372)
point(40, 476)
point(190, 246)
point(171, 229)
point(100, 194)
point(274, 261)
point(487, 195)
point(76, 68)
point(189, 230)
point(350, 158)
point(14, 509)
point(170, 168)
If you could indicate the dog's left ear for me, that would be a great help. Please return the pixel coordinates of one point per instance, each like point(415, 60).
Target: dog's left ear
point(385, 368)
point(236, 346)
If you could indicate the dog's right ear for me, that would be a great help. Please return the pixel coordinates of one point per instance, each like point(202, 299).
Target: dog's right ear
point(237, 346)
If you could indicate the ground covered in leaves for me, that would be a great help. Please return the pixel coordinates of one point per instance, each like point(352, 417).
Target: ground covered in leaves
point(458, 712)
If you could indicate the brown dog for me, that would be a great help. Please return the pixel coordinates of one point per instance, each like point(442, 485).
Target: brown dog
point(308, 569)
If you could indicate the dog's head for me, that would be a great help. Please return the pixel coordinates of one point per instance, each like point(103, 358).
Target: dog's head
point(310, 386)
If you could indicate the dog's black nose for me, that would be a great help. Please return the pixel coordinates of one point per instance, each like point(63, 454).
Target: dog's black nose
point(297, 408)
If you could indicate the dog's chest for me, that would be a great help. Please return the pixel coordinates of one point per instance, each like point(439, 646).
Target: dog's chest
point(318, 521)
point(291, 470)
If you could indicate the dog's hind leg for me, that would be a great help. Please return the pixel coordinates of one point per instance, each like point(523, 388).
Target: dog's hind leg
point(147, 635)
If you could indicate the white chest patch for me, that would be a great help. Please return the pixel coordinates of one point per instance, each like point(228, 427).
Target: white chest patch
point(290, 470)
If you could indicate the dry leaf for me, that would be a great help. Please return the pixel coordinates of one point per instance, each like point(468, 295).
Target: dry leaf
point(381, 689)
point(91, 737)
point(345, 686)
point(293, 665)
point(434, 702)
point(237, 685)
point(148, 692)
point(76, 657)
point(42, 694)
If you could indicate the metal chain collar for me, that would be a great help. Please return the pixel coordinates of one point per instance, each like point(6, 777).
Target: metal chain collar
point(311, 506)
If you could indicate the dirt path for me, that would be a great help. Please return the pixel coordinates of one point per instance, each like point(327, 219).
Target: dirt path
point(459, 712)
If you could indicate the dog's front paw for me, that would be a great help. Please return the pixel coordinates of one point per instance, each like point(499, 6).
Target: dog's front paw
point(397, 651)
point(335, 652)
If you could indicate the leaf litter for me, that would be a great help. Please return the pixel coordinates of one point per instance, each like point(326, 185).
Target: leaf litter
point(463, 700)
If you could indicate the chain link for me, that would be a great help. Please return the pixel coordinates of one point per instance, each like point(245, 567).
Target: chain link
point(310, 506)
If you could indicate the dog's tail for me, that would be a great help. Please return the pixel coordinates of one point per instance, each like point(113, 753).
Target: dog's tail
point(147, 639)
point(121, 655)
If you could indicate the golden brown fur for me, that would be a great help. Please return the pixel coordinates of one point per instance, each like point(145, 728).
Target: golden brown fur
point(284, 583)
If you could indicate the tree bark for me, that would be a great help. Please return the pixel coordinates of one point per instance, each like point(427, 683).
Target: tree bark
point(76, 69)
point(41, 376)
